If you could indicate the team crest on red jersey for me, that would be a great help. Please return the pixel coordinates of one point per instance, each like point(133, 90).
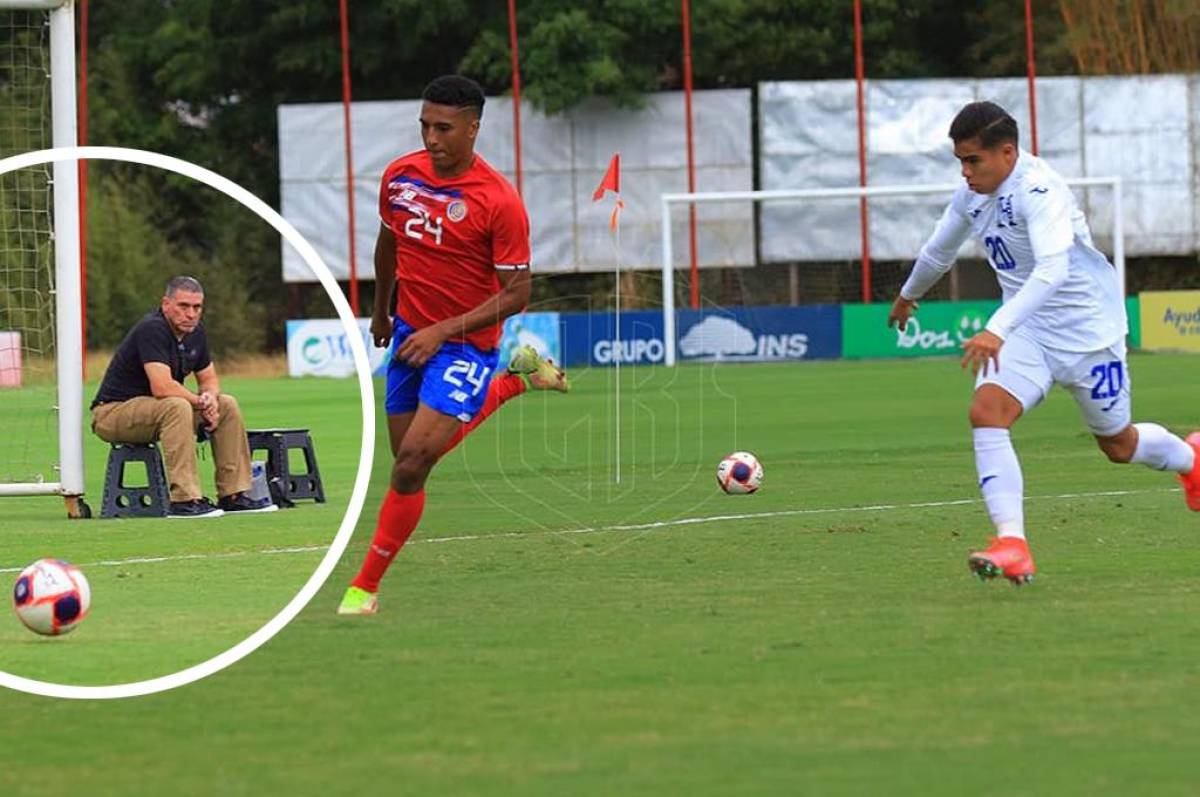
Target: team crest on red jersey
point(456, 210)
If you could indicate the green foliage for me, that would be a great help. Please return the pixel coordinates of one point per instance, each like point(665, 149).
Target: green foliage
point(130, 259)
point(212, 588)
point(998, 49)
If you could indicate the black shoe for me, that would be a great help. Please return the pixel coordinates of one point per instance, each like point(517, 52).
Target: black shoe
point(245, 504)
point(199, 507)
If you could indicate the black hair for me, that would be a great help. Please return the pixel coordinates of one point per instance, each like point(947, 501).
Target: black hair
point(182, 283)
point(987, 121)
point(456, 91)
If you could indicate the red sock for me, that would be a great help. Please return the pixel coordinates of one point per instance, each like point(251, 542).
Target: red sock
point(500, 390)
point(398, 517)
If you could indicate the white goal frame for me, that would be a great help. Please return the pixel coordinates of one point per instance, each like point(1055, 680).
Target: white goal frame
point(68, 350)
point(849, 192)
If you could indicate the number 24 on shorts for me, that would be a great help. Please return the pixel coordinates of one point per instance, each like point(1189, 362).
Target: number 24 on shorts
point(474, 375)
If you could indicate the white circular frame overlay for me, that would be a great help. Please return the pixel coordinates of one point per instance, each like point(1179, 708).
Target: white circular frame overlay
point(358, 494)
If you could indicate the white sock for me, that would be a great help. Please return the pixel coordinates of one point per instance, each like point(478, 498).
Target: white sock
point(1000, 481)
point(1161, 450)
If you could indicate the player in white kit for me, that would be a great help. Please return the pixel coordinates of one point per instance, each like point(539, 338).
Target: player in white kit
point(1062, 321)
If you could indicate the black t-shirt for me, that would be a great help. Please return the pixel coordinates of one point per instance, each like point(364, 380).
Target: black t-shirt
point(151, 341)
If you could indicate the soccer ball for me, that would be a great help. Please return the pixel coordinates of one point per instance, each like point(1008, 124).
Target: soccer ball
point(740, 473)
point(51, 597)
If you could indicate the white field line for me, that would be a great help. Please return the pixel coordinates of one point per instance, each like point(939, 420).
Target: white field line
point(659, 524)
point(142, 560)
point(689, 521)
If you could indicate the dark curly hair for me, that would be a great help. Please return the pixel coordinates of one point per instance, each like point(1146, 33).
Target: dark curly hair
point(456, 91)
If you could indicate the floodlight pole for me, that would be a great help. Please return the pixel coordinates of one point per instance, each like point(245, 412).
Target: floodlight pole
point(863, 218)
point(344, 14)
point(515, 58)
point(686, 11)
point(1031, 76)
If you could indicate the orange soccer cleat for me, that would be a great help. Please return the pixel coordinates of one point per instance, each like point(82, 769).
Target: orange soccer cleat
point(1006, 556)
point(1191, 479)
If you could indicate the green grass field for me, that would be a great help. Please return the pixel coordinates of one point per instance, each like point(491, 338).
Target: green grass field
point(214, 587)
point(820, 637)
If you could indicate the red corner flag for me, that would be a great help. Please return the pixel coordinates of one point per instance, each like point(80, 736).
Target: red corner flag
point(612, 179)
point(611, 182)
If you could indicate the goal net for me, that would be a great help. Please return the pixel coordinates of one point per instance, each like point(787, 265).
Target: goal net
point(801, 233)
point(40, 335)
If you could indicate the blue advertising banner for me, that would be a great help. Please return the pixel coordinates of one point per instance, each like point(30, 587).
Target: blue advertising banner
point(760, 334)
point(742, 334)
point(591, 339)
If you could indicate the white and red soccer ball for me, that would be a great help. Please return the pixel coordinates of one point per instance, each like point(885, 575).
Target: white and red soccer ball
point(51, 597)
point(740, 473)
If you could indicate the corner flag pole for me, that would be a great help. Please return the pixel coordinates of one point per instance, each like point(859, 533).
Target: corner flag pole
point(612, 182)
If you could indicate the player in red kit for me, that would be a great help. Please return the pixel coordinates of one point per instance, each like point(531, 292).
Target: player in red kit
point(454, 240)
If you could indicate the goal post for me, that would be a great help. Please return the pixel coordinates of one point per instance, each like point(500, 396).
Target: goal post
point(65, 239)
point(668, 201)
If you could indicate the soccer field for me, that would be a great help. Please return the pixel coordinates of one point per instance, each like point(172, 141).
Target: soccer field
point(209, 582)
point(548, 631)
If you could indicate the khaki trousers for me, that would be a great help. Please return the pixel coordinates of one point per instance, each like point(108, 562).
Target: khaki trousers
point(173, 422)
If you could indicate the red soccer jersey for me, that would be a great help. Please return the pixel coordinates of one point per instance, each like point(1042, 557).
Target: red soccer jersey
point(452, 234)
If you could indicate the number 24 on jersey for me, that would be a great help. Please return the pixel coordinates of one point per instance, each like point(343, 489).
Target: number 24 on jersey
point(421, 224)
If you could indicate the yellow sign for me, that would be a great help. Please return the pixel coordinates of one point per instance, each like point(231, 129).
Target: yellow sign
point(1171, 320)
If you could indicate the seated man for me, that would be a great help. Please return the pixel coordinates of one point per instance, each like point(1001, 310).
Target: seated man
point(143, 398)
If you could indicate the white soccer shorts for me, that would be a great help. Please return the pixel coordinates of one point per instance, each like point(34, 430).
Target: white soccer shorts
point(1099, 380)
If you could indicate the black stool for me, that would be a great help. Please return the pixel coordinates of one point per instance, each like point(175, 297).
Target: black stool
point(286, 486)
point(122, 500)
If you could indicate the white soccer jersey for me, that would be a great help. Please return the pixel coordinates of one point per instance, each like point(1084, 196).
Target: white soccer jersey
point(1031, 227)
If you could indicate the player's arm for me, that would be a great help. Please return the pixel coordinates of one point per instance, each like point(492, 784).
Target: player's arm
point(163, 386)
point(154, 349)
point(936, 258)
point(207, 381)
point(515, 287)
point(385, 281)
point(210, 388)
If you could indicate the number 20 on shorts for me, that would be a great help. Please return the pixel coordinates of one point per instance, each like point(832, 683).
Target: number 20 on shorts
point(1110, 378)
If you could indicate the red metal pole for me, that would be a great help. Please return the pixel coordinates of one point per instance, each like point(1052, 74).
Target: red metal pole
point(349, 152)
point(863, 222)
point(82, 135)
point(691, 153)
point(516, 88)
point(1031, 73)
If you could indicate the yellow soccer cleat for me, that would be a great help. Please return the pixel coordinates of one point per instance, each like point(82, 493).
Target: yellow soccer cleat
point(539, 373)
point(358, 601)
